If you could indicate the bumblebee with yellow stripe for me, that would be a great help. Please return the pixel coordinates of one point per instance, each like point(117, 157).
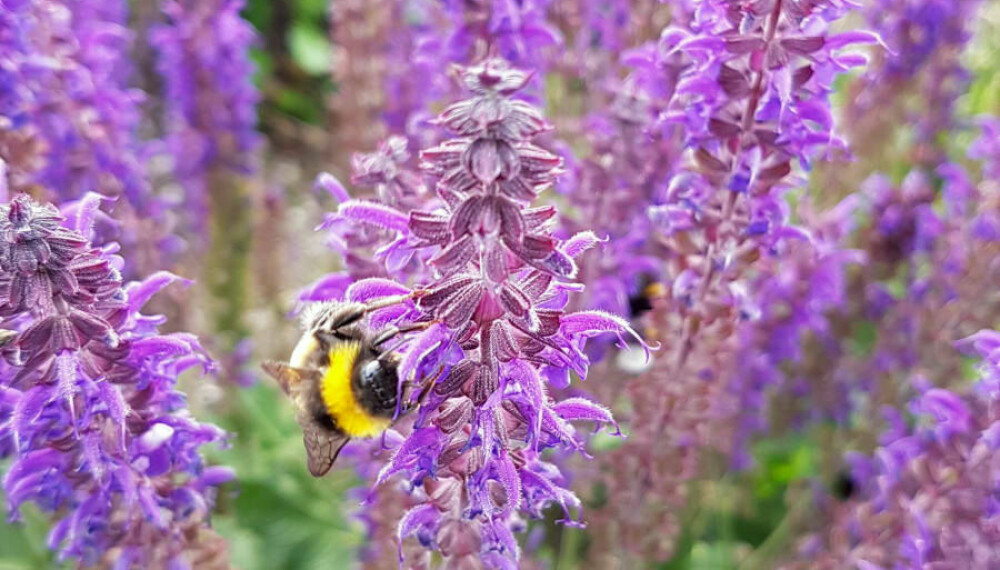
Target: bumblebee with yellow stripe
point(340, 378)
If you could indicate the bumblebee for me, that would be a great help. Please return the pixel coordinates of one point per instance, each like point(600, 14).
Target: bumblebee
point(341, 378)
point(844, 487)
point(642, 302)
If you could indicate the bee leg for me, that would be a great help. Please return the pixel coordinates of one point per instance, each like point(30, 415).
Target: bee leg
point(348, 316)
point(425, 389)
point(353, 312)
point(392, 332)
point(390, 301)
point(429, 385)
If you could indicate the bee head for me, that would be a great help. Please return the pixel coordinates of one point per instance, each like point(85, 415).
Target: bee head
point(375, 383)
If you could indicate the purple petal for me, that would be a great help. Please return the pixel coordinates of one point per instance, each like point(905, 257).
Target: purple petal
point(140, 293)
point(582, 409)
point(581, 242)
point(329, 183)
point(367, 290)
point(507, 475)
point(375, 214)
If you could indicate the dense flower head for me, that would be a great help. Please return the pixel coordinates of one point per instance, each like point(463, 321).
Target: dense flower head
point(96, 430)
point(494, 298)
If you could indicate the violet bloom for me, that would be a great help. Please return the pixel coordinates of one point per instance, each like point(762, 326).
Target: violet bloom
point(752, 101)
point(928, 492)
point(611, 190)
point(361, 247)
point(517, 31)
point(204, 51)
point(68, 117)
point(745, 89)
point(925, 40)
point(441, 33)
point(89, 412)
point(496, 295)
point(785, 351)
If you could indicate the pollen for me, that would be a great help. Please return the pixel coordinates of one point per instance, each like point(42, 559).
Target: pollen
point(338, 396)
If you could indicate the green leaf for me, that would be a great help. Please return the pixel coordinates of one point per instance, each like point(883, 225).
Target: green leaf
point(314, 10)
point(310, 48)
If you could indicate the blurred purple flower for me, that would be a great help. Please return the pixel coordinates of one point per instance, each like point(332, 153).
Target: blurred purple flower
point(71, 119)
point(744, 90)
point(794, 295)
point(751, 98)
point(925, 41)
point(928, 493)
point(89, 412)
point(204, 59)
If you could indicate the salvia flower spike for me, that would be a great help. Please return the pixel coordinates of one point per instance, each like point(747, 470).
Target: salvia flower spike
point(89, 412)
point(498, 289)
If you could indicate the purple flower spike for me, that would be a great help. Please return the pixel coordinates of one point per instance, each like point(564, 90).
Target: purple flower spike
point(204, 59)
point(495, 282)
point(89, 413)
point(61, 62)
point(927, 497)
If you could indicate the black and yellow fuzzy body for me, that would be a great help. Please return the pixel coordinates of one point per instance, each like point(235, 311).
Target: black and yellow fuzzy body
point(340, 380)
point(642, 302)
point(356, 394)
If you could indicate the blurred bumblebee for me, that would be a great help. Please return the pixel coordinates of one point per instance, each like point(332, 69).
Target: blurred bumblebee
point(844, 487)
point(633, 359)
point(642, 301)
point(341, 379)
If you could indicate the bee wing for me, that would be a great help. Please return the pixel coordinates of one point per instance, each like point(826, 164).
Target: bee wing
point(286, 375)
point(322, 448)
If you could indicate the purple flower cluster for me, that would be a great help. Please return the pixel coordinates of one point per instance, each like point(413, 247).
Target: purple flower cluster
point(928, 492)
point(496, 295)
point(516, 31)
point(428, 36)
point(691, 179)
point(753, 98)
point(90, 415)
point(209, 95)
point(925, 40)
point(786, 349)
point(744, 89)
point(68, 119)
